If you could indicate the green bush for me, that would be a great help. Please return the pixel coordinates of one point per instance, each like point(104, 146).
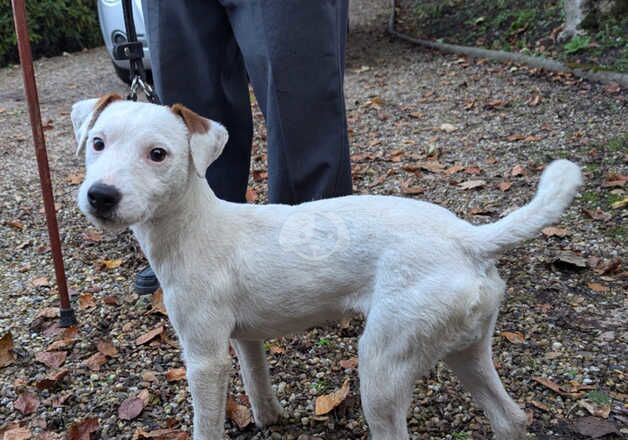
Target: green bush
point(55, 26)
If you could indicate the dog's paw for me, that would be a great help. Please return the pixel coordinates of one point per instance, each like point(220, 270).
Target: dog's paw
point(269, 414)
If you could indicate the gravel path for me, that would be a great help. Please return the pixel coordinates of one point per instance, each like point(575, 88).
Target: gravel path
point(421, 124)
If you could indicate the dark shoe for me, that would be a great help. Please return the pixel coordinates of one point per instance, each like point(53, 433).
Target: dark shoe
point(146, 281)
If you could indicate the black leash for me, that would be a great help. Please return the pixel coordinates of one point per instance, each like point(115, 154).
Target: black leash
point(133, 51)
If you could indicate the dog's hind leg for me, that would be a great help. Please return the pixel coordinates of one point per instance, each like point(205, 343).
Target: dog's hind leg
point(474, 367)
point(254, 373)
point(388, 369)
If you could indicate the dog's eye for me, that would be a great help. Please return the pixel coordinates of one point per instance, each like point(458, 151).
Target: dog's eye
point(99, 144)
point(157, 154)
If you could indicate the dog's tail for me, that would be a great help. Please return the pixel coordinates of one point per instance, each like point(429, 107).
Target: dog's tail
point(557, 188)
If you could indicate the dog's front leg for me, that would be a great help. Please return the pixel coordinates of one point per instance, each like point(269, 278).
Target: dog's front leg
point(208, 372)
point(254, 372)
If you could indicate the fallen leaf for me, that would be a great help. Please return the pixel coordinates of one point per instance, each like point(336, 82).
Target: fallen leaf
point(594, 427)
point(448, 128)
point(75, 179)
point(157, 302)
point(518, 170)
point(145, 396)
point(110, 264)
point(175, 374)
point(408, 189)
point(93, 235)
point(17, 432)
point(598, 214)
point(596, 409)
point(83, 429)
point(40, 282)
point(471, 184)
point(349, 363)
point(27, 403)
point(251, 195)
point(514, 337)
point(6, 350)
point(107, 348)
point(597, 287)
point(540, 405)
point(515, 137)
point(95, 361)
point(534, 100)
point(149, 376)
point(149, 336)
point(52, 379)
point(276, 349)
point(237, 413)
point(60, 345)
point(620, 203)
point(432, 166)
point(612, 88)
point(130, 408)
point(48, 312)
point(557, 388)
point(553, 231)
point(504, 186)
point(52, 359)
point(454, 169)
point(161, 434)
point(325, 404)
point(615, 180)
point(16, 224)
point(111, 300)
point(86, 301)
point(605, 267)
point(569, 260)
point(59, 400)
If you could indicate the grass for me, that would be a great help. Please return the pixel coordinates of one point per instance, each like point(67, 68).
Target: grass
point(577, 44)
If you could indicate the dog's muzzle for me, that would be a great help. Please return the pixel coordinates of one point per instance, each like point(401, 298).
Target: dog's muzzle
point(103, 199)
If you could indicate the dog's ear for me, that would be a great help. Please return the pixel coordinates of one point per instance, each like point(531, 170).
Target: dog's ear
point(84, 115)
point(207, 138)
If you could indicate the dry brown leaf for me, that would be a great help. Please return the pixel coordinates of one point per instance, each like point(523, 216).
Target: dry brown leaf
point(237, 413)
point(161, 434)
point(83, 429)
point(349, 363)
point(598, 214)
point(52, 379)
point(145, 396)
point(615, 180)
point(276, 349)
point(612, 87)
point(86, 301)
point(408, 189)
point(251, 195)
point(472, 184)
point(27, 403)
point(75, 179)
point(107, 348)
point(554, 231)
point(95, 361)
point(48, 312)
point(454, 169)
point(109, 264)
point(556, 388)
point(534, 100)
point(325, 404)
point(16, 224)
point(111, 300)
point(6, 350)
point(150, 335)
point(514, 337)
point(157, 302)
point(131, 408)
point(52, 359)
point(59, 400)
point(597, 287)
point(518, 170)
point(596, 409)
point(474, 170)
point(149, 376)
point(540, 405)
point(40, 282)
point(175, 374)
point(93, 235)
point(17, 432)
point(569, 259)
point(515, 137)
point(432, 166)
point(504, 186)
point(61, 344)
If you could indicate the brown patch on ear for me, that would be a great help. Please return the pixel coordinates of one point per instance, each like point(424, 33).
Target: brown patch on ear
point(194, 122)
point(101, 104)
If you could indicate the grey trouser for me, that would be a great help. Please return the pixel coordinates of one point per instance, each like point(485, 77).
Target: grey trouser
point(293, 52)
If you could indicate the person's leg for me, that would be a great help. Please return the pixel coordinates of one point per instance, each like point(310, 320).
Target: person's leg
point(294, 53)
point(197, 62)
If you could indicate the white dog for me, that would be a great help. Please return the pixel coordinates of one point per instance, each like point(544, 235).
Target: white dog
point(424, 279)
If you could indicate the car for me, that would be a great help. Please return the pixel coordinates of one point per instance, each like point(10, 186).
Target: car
point(111, 19)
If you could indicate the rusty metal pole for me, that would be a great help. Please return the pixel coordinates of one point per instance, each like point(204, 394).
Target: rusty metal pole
point(67, 317)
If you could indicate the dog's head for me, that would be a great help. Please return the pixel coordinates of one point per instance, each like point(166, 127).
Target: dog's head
point(139, 157)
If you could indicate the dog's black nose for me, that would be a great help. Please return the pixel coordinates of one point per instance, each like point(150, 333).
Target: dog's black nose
point(103, 198)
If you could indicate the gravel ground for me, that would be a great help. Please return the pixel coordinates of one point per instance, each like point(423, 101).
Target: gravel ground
point(421, 123)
